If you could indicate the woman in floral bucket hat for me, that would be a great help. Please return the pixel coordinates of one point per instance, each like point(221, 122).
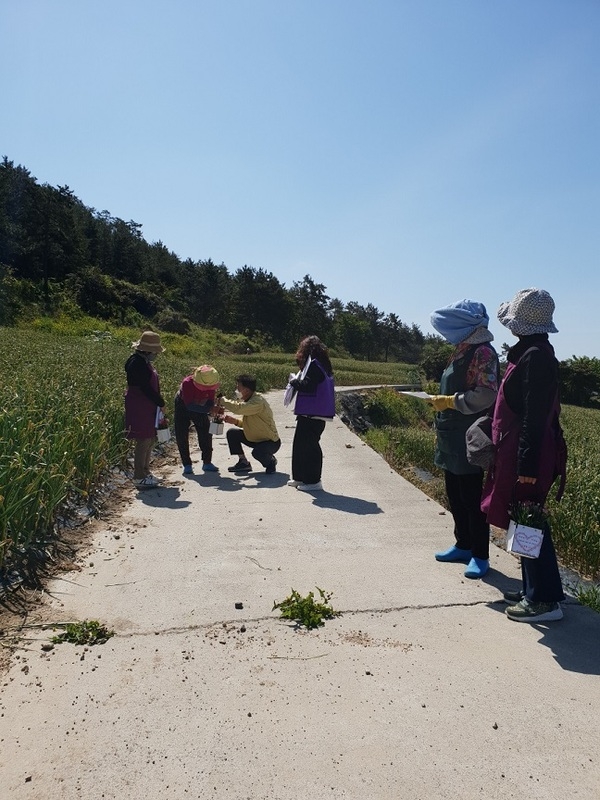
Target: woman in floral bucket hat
point(194, 401)
point(142, 399)
point(530, 448)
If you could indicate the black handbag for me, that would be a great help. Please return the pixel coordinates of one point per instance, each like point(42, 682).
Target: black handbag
point(481, 450)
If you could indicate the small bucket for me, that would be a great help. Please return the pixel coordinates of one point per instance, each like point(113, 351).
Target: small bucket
point(163, 435)
point(216, 428)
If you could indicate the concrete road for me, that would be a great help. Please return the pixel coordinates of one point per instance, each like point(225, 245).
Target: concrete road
point(421, 689)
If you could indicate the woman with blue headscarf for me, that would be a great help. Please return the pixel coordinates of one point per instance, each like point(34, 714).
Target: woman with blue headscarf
point(468, 387)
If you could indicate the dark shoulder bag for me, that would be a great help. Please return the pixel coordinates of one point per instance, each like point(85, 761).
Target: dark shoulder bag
point(480, 447)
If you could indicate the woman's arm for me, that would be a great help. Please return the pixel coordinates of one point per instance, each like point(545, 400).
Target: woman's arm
point(314, 376)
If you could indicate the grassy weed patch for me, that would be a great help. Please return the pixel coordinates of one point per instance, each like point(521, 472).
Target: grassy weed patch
point(306, 611)
point(87, 632)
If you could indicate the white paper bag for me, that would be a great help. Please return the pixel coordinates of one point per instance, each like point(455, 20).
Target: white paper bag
point(521, 540)
point(163, 435)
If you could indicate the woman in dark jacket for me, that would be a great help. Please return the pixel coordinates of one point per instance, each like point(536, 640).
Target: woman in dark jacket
point(315, 404)
point(468, 388)
point(142, 400)
point(530, 450)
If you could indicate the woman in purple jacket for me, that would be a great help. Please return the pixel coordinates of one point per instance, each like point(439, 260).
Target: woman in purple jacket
point(142, 400)
point(315, 404)
point(530, 449)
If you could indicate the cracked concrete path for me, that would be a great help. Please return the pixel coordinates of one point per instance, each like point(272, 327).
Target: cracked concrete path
point(421, 690)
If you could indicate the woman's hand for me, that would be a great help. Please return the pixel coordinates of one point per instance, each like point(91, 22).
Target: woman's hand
point(231, 420)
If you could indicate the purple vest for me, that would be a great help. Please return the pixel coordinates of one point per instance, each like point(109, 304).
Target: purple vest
point(501, 486)
point(140, 411)
point(321, 403)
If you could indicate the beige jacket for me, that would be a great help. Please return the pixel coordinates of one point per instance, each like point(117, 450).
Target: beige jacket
point(257, 418)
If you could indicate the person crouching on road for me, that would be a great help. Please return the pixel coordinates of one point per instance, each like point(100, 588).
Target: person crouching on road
point(194, 401)
point(255, 429)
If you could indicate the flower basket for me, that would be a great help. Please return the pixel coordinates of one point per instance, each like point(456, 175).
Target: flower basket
point(526, 530)
point(521, 540)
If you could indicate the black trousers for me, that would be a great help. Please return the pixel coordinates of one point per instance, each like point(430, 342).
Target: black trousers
point(261, 451)
point(541, 578)
point(183, 419)
point(471, 529)
point(307, 456)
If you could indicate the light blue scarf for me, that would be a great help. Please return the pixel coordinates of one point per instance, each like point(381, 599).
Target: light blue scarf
point(458, 321)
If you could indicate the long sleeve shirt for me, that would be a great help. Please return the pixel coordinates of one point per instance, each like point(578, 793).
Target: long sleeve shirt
point(195, 398)
point(257, 418)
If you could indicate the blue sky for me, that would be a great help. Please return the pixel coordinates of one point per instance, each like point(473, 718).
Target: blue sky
point(406, 153)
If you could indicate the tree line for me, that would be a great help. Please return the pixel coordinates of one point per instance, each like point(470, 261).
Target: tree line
point(57, 254)
point(54, 250)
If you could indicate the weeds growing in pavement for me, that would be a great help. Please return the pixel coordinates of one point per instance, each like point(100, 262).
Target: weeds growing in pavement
point(305, 610)
point(86, 632)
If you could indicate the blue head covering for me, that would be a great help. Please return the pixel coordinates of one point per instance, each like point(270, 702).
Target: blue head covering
point(458, 321)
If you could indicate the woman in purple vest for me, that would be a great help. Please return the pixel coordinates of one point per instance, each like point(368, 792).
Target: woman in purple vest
point(530, 450)
point(315, 404)
point(142, 400)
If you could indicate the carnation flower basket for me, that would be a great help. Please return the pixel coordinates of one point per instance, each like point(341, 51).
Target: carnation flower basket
point(526, 529)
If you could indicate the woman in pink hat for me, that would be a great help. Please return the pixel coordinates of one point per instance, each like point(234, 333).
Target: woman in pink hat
point(194, 401)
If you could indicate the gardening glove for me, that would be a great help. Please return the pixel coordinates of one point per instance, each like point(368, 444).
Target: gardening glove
point(442, 401)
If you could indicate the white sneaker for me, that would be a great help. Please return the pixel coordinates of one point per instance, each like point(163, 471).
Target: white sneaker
point(310, 487)
point(149, 482)
point(294, 483)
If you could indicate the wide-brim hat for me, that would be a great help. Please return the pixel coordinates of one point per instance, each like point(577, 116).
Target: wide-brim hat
point(149, 342)
point(206, 377)
point(530, 311)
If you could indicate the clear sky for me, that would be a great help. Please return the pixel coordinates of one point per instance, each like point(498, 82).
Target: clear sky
point(405, 153)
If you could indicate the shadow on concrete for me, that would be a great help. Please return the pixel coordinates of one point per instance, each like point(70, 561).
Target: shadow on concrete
point(231, 482)
point(340, 502)
point(163, 497)
point(573, 640)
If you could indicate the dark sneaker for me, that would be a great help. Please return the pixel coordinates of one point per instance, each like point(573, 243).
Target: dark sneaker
point(241, 466)
point(271, 468)
point(525, 611)
point(514, 597)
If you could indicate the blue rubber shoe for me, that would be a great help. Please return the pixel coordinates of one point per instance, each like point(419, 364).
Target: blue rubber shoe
point(188, 469)
point(209, 468)
point(454, 553)
point(477, 567)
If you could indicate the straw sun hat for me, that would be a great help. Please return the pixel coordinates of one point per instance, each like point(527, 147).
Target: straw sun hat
point(149, 342)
